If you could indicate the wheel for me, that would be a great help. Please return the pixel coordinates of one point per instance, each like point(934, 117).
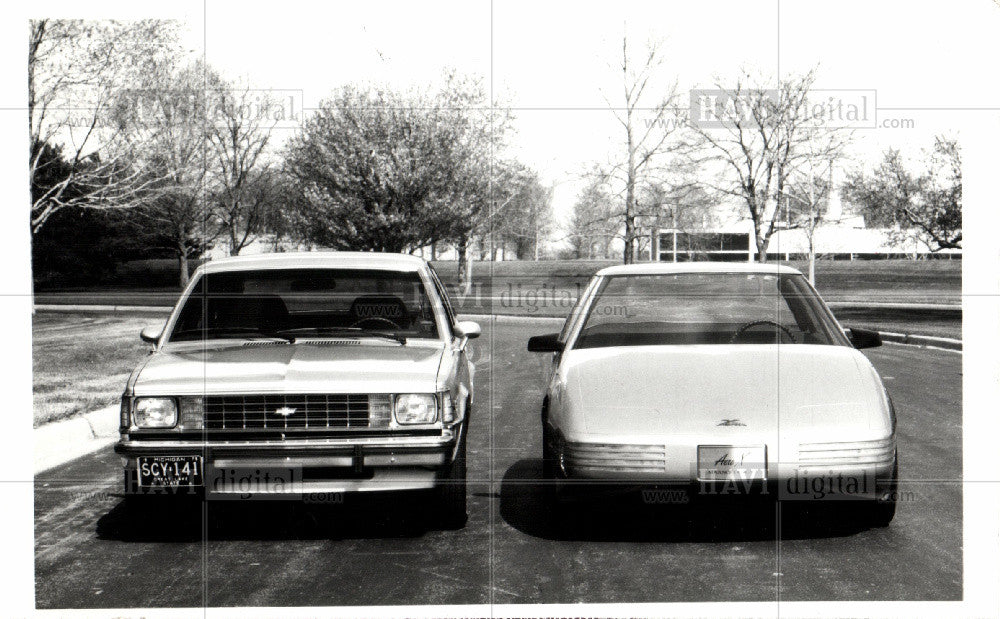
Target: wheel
point(552, 499)
point(451, 499)
point(881, 511)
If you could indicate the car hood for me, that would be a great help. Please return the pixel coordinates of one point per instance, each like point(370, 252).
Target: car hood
point(307, 367)
point(635, 393)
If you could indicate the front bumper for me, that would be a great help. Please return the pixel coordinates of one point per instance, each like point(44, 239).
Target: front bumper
point(246, 469)
point(855, 469)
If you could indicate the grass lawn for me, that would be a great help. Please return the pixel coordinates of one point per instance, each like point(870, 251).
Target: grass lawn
point(80, 362)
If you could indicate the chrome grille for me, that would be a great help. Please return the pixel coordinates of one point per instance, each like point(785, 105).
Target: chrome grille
point(832, 455)
point(319, 411)
point(618, 458)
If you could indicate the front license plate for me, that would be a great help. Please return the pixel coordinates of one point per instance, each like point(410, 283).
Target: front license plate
point(732, 463)
point(170, 471)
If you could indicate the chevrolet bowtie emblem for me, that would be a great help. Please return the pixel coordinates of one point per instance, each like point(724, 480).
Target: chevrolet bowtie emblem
point(731, 422)
point(285, 411)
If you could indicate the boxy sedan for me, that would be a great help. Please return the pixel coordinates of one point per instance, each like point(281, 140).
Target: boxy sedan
point(299, 375)
point(718, 377)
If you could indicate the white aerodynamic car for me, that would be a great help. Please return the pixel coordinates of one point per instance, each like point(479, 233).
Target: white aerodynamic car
point(719, 377)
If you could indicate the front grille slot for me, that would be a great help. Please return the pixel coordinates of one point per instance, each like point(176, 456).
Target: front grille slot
point(312, 411)
point(620, 458)
point(847, 454)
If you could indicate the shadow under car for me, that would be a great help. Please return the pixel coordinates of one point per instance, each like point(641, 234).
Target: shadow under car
point(666, 514)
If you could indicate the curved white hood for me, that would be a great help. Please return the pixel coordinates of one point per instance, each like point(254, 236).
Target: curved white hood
point(636, 393)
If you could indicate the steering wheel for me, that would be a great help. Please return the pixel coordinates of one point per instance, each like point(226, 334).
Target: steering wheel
point(375, 322)
point(756, 323)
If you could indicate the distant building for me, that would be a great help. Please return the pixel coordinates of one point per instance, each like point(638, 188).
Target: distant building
point(846, 239)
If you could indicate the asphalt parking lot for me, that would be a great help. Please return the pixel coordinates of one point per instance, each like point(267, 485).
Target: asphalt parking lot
point(90, 551)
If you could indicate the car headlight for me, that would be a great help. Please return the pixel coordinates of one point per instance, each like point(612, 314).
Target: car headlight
point(154, 413)
point(414, 408)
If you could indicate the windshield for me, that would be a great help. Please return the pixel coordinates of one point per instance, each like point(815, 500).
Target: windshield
point(707, 308)
point(300, 303)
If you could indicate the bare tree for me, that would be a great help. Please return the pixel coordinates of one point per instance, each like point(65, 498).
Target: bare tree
point(757, 138)
point(526, 214)
point(76, 72)
point(596, 217)
point(239, 134)
point(807, 199)
point(677, 201)
point(647, 127)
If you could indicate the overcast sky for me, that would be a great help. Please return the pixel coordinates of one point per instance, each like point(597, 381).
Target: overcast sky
point(551, 60)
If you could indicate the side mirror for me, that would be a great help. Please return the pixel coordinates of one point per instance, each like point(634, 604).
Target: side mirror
point(468, 329)
point(545, 343)
point(151, 335)
point(863, 338)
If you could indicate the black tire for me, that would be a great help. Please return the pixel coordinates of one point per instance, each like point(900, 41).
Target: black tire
point(553, 502)
point(452, 492)
point(879, 513)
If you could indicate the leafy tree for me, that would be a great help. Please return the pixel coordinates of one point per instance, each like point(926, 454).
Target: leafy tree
point(376, 170)
point(165, 127)
point(924, 205)
point(380, 170)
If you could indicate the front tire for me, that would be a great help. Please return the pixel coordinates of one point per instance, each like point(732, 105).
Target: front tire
point(880, 512)
point(451, 494)
point(552, 498)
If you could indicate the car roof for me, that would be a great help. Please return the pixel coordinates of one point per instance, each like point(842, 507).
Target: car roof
point(653, 268)
point(316, 260)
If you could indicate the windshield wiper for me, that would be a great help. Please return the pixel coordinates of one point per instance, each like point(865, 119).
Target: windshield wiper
point(342, 331)
point(243, 333)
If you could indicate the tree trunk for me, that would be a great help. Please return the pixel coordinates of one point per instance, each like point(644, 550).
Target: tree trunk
point(182, 266)
point(812, 261)
point(629, 255)
point(434, 251)
point(234, 248)
point(464, 268)
point(762, 244)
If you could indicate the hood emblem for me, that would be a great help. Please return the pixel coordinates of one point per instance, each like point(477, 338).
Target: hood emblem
point(285, 411)
point(731, 422)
